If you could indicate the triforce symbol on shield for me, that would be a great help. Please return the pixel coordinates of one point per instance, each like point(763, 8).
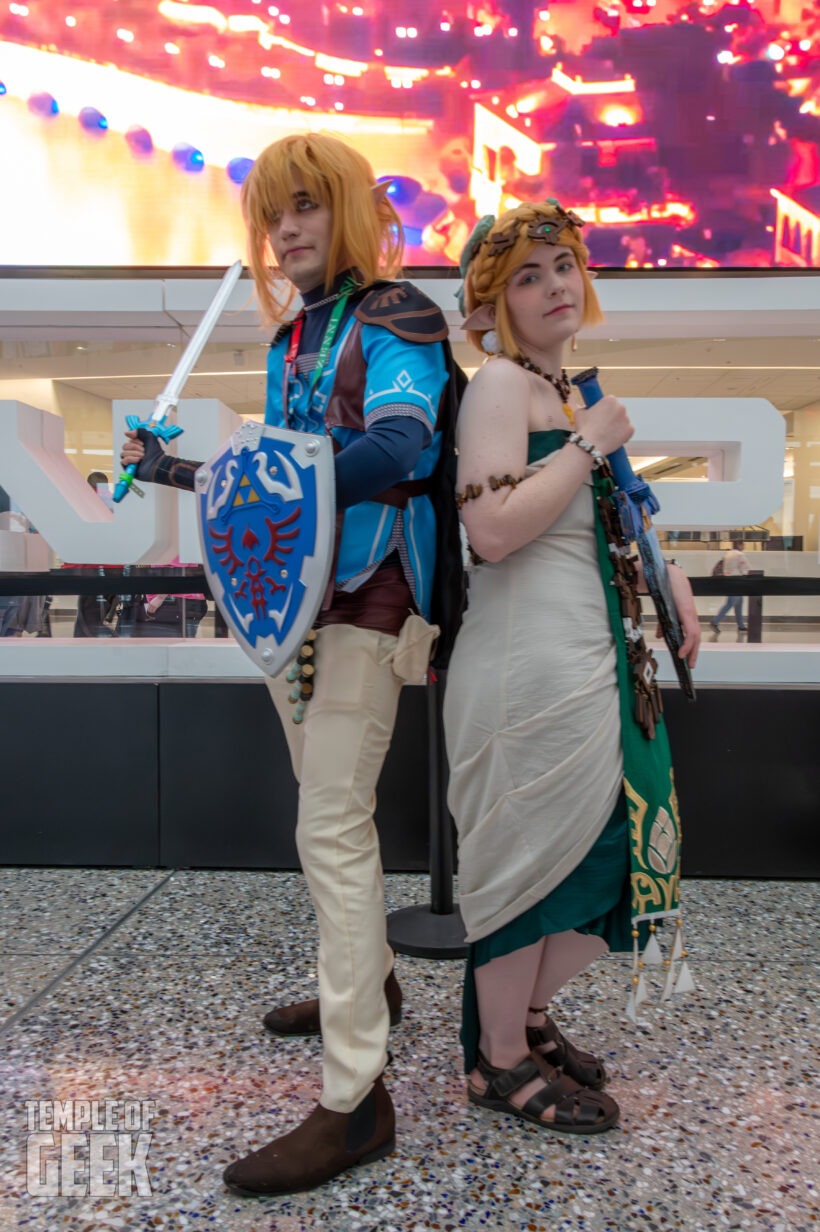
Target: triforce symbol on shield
point(266, 522)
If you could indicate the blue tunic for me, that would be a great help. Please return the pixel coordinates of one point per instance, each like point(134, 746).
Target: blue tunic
point(404, 380)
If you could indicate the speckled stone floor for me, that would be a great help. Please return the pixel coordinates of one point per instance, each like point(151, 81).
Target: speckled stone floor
point(145, 985)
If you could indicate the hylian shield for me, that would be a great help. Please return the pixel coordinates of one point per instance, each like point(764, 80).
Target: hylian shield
point(266, 506)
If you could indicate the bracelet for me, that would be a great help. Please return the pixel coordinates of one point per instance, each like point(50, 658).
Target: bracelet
point(598, 458)
point(473, 490)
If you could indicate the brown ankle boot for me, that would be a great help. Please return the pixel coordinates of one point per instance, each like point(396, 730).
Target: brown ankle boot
point(303, 1018)
point(324, 1145)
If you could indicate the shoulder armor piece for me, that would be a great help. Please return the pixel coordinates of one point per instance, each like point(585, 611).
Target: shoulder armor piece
point(403, 309)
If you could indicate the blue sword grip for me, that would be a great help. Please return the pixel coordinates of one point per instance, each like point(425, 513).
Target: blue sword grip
point(638, 490)
point(165, 432)
point(123, 484)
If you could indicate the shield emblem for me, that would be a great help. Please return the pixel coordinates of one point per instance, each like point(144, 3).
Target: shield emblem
point(267, 522)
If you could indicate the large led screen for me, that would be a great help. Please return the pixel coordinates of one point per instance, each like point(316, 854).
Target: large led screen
point(686, 134)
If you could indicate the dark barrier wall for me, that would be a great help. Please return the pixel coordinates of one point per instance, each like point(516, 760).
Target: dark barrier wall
point(227, 796)
point(190, 773)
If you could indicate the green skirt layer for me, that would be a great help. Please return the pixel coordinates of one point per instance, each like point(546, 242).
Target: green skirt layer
point(595, 898)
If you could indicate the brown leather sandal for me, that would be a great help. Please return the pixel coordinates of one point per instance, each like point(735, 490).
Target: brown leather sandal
point(585, 1068)
point(577, 1109)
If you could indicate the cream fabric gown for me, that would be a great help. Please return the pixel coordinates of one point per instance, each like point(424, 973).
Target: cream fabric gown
point(532, 720)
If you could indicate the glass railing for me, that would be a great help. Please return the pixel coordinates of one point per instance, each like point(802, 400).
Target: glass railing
point(108, 602)
point(140, 602)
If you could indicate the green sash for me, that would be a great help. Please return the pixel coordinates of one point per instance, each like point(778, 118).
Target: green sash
point(654, 819)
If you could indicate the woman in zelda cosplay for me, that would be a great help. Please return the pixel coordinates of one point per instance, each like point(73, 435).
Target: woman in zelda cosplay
point(365, 360)
point(559, 760)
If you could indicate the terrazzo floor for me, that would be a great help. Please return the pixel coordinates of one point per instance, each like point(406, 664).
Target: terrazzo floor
point(145, 984)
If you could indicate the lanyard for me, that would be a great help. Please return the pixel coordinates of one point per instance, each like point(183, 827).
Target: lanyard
point(348, 287)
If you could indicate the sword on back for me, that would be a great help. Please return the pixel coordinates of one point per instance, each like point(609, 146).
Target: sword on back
point(168, 399)
point(636, 502)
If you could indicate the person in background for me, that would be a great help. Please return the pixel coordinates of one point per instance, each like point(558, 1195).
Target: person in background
point(21, 614)
point(96, 614)
point(735, 564)
point(169, 615)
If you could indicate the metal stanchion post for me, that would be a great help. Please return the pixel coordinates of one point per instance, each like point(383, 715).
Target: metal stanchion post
point(434, 929)
point(754, 615)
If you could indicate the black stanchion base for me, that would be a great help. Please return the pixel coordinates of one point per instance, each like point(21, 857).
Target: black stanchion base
point(422, 933)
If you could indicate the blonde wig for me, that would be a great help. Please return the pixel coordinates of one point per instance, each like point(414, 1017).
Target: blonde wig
point(504, 246)
point(366, 232)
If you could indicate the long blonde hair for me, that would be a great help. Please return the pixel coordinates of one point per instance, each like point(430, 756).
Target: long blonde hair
point(366, 232)
point(503, 249)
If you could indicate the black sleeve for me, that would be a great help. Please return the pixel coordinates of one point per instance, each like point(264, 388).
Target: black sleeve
point(159, 467)
point(175, 472)
point(386, 453)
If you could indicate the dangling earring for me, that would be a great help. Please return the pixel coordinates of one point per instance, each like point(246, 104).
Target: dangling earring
point(574, 344)
point(490, 343)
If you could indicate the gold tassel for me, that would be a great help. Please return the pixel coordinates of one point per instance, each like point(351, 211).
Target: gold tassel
point(632, 1000)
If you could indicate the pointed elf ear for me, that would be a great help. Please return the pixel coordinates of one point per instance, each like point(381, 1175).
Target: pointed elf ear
point(482, 317)
point(379, 191)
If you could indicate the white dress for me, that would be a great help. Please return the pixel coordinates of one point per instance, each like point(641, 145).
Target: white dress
point(532, 720)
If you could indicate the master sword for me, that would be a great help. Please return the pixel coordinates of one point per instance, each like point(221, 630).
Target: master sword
point(636, 503)
point(168, 399)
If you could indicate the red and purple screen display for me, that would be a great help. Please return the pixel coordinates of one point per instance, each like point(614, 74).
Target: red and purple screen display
point(685, 134)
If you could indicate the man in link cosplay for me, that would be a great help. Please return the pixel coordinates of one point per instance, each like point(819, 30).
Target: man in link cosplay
point(366, 360)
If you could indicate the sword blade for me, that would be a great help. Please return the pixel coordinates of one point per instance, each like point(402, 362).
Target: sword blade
point(657, 578)
point(169, 397)
point(656, 575)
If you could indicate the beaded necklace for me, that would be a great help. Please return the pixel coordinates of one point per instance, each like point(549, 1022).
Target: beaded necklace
point(559, 383)
point(350, 283)
point(329, 299)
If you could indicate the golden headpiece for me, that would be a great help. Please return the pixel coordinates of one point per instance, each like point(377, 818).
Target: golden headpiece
point(497, 247)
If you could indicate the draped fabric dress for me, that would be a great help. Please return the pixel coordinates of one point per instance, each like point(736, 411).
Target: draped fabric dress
point(533, 735)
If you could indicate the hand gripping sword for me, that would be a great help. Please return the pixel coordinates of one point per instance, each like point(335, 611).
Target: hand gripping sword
point(636, 502)
point(168, 399)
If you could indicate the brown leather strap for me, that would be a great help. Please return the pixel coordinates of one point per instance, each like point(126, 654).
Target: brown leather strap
point(400, 493)
point(382, 603)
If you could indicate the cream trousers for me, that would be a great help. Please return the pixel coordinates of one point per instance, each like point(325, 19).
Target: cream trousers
point(337, 755)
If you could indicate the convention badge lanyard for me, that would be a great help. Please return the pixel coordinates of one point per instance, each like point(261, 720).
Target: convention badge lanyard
point(329, 337)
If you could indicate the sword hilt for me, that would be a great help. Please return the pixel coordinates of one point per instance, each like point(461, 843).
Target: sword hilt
point(169, 397)
point(165, 432)
point(638, 490)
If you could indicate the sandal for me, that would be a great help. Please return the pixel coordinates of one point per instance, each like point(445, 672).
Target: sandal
point(585, 1068)
point(577, 1109)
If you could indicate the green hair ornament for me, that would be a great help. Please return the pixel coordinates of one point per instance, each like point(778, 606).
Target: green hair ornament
point(477, 237)
point(543, 230)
